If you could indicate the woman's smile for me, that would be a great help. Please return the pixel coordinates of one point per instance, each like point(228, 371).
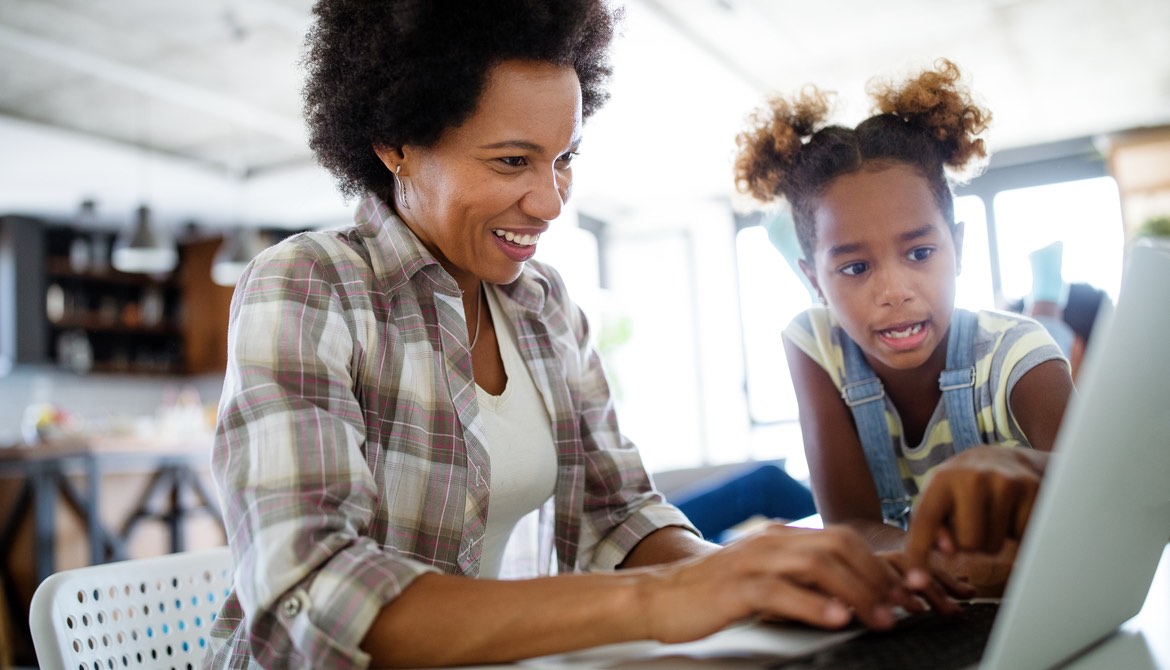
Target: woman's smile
point(518, 247)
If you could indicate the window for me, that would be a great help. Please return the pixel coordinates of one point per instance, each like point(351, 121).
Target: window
point(973, 287)
point(1085, 215)
point(771, 293)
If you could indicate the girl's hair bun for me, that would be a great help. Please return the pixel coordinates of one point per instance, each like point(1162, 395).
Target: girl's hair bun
point(936, 102)
point(769, 147)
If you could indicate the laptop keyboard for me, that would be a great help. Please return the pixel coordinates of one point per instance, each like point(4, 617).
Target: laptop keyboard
point(924, 641)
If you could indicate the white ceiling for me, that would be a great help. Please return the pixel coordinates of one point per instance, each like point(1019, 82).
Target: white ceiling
point(213, 86)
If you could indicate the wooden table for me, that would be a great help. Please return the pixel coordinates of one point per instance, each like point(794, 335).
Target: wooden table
point(47, 476)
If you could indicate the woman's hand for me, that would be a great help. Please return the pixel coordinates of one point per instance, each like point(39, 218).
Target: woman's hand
point(974, 503)
point(820, 577)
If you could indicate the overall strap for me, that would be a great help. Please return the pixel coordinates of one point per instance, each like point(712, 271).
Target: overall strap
point(957, 381)
point(865, 397)
point(863, 393)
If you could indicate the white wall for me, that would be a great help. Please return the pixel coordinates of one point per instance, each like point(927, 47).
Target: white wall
point(47, 172)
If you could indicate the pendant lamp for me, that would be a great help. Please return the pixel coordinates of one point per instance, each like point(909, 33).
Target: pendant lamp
point(143, 248)
point(238, 249)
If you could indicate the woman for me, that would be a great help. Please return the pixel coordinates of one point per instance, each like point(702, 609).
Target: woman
point(400, 392)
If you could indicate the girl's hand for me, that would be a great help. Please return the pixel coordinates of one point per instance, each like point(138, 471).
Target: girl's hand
point(987, 574)
point(820, 577)
point(973, 503)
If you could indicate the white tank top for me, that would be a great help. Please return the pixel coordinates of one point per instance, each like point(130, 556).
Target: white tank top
point(519, 444)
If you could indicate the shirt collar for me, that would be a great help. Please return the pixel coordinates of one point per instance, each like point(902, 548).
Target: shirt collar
point(396, 254)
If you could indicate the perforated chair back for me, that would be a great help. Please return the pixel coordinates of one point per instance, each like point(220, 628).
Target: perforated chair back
point(141, 613)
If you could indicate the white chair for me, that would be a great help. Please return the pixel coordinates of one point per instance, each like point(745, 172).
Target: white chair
point(141, 613)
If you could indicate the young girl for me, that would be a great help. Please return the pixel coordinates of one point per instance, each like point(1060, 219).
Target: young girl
point(892, 379)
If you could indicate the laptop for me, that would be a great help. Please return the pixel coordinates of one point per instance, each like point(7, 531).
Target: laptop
point(1102, 519)
point(1097, 532)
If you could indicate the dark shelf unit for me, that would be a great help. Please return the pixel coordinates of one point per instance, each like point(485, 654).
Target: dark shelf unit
point(102, 320)
point(61, 303)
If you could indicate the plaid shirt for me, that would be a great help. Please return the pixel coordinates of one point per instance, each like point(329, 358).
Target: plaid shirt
point(349, 455)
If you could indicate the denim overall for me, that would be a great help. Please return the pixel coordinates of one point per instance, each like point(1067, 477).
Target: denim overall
point(864, 395)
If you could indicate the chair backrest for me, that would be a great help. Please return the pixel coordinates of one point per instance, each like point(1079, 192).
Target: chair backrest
point(141, 613)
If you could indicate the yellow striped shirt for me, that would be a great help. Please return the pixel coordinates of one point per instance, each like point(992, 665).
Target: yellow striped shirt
point(1006, 347)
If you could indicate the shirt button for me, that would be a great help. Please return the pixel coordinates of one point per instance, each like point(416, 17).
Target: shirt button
point(292, 606)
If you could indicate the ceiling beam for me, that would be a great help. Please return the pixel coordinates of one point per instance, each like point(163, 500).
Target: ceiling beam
point(199, 99)
point(672, 16)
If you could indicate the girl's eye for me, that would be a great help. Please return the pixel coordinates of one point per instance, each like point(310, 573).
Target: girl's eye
point(566, 159)
point(854, 269)
point(920, 253)
point(514, 161)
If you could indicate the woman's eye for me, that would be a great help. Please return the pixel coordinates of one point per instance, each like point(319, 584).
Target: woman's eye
point(514, 161)
point(854, 269)
point(920, 253)
point(566, 159)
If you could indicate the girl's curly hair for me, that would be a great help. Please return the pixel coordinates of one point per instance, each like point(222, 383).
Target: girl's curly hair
point(395, 72)
point(928, 123)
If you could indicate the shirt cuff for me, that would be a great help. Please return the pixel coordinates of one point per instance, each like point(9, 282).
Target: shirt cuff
point(343, 599)
point(614, 549)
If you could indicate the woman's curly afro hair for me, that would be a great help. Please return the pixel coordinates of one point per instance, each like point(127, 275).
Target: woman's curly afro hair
point(395, 72)
point(928, 123)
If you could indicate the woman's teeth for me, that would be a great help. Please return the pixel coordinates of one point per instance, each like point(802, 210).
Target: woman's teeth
point(518, 240)
point(907, 332)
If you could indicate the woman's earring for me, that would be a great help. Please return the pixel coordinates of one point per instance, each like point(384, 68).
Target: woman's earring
point(402, 186)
